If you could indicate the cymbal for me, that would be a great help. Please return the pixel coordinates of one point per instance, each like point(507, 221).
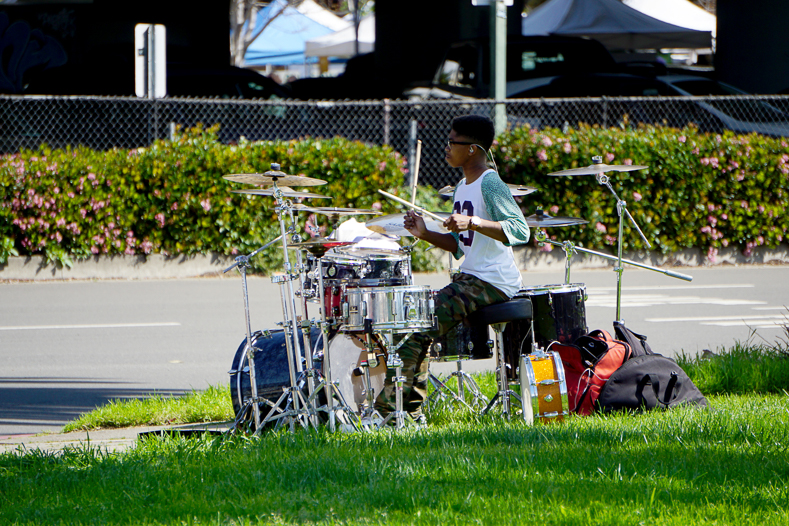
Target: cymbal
point(320, 245)
point(335, 211)
point(515, 190)
point(599, 168)
point(274, 177)
point(392, 224)
point(541, 219)
point(286, 192)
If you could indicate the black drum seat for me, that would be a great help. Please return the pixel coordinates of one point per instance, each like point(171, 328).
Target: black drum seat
point(512, 310)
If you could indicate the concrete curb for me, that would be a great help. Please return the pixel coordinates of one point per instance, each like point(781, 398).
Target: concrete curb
point(157, 266)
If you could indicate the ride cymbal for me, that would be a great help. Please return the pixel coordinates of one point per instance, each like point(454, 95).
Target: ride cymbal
point(286, 192)
point(393, 225)
point(515, 190)
point(274, 177)
point(599, 168)
point(541, 220)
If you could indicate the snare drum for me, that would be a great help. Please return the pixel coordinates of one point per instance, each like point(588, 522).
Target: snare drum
point(558, 314)
point(543, 387)
point(408, 308)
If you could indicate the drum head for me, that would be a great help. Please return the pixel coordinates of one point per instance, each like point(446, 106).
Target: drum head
point(346, 355)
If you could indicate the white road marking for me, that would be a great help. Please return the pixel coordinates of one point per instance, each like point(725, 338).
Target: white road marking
point(675, 287)
point(93, 326)
point(757, 322)
point(648, 300)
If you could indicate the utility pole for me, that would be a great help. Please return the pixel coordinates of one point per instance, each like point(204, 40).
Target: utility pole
point(498, 62)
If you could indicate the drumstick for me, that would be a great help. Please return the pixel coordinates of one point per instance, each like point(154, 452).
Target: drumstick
point(416, 170)
point(412, 205)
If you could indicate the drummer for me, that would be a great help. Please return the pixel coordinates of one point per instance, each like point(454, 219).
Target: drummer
point(484, 225)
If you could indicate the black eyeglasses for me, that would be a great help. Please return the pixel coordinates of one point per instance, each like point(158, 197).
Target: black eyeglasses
point(451, 142)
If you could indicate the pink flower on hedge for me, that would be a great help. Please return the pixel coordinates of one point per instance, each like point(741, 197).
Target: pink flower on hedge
point(740, 176)
point(206, 204)
point(542, 155)
point(712, 253)
point(637, 196)
point(724, 217)
point(174, 206)
point(94, 249)
point(682, 139)
point(705, 161)
point(712, 220)
point(600, 227)
point(628, 162)
point(146, 246)
point(706, 229)
point(567, 147)
point(129, 250)
point(546, 141)
point(60, 222)
point(58, 237)
point(382, 166)
point(91, 176)
point(83, 212)
point(377, 206)
point(785, 168)
point(744, 204)
point(554, 209)
point(159, 219)
point(609, 157)
point(761, 209)
point(725, 242)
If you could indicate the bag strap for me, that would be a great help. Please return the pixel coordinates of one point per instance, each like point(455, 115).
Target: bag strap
point(654, 381)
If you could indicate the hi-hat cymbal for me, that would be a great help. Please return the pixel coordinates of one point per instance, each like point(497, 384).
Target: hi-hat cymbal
point(274, 177)
point(392, 224)
point(515, 190)
point(286, 192)
point(541, 219)
point(335, 211)
point(320, 245)
point(599, 168)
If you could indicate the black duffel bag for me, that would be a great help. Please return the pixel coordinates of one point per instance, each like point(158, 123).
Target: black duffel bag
point(649, 382)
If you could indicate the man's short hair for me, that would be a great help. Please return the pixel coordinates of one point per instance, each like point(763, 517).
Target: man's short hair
point(475, 127)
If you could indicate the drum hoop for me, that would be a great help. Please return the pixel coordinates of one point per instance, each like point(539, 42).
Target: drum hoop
point(547, 289)
point(383, 290)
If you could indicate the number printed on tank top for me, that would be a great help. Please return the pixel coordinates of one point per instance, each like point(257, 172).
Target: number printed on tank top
point(466, 209)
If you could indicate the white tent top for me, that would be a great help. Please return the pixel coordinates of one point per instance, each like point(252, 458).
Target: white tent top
point(343, 43)
point(611, 22)
point(321, 15)
point(678, 12)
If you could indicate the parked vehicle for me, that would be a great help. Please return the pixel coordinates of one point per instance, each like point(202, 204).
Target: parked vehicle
point(564, 67)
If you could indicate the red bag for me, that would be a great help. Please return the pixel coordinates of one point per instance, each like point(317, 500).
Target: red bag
point(588, 364)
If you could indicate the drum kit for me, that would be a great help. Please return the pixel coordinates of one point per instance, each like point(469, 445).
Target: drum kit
point(329, 369)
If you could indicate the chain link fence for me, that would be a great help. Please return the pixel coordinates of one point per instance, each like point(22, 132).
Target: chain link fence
point(26, 122)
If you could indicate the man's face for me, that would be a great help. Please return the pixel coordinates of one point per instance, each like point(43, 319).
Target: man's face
point(456, 152)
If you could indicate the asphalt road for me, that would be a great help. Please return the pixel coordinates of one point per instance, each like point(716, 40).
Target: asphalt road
point(70, 346)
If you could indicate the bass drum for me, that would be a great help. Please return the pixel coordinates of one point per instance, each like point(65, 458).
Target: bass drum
point(347, 352)
point(559, 314)
point(271, 368)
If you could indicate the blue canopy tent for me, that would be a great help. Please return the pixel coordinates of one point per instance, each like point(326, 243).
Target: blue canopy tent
point(282, 42)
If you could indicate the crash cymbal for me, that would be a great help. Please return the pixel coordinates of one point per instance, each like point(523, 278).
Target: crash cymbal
point(320, 245)
point(286, 192)
point(273, 176)
point(541, 220)
point(515, 190)
point(599, 168)
point(392, 224)
point(335, 211)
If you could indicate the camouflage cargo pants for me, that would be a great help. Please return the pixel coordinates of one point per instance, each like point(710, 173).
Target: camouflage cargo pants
point(454, 303)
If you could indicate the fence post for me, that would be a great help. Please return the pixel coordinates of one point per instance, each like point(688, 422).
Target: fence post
point(387, 120)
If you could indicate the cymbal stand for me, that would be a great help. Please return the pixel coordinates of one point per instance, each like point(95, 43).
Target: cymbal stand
point(621, 210)
point(310, 371)
point(242, 263)
point(342, 410)
point(293, 393)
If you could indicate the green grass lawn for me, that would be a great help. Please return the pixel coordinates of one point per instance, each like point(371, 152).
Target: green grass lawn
point(728, 464)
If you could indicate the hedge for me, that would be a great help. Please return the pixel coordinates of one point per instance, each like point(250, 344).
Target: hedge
point(700, 190)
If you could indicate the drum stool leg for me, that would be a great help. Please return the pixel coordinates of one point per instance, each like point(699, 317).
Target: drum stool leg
point(504, 392)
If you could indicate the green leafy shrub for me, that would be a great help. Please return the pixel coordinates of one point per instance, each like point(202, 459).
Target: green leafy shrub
point(700, 190)
point(171, 198)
